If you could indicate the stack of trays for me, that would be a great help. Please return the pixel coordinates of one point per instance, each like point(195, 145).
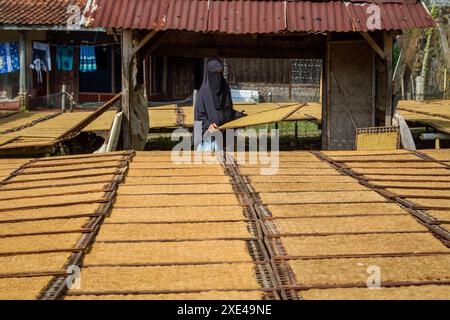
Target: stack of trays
point(50, 210)
point(418, 181)
point(325, 230)
point(176, 231)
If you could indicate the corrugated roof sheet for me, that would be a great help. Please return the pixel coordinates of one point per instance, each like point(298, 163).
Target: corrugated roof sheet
point(36, 12)
point(318, 16)
point(394, 16)
point(245, 16)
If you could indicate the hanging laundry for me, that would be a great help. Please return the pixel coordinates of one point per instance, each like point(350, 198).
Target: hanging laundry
point(9, 57)
point(41, 59)
point(88, 61)
point(64, 58)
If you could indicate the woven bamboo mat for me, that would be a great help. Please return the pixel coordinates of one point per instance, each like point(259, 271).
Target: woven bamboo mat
point(370, 224)
point(18, 120)
point(271, 116)
point(365, 153)
point(174, 180)
point(22, 288)
point(419, 192)
point(71, 167)
point(432, 292)
point(54, 162)
point(33, 263)
point(362, 244)
point(52, 201)
point(293, 165)
point(171, 165)
point(443, 216)
point(47, 226)
point(182, 200)
point(409, 172)
point(375, 158)
point(178, 214)
point(441, 155)
point(307, 187)
point(176, 189)
point(211, 295)
point(392, 165)
point(170, 278)
point(321, 197)
point(300, 179)
point(39, 243)
point(412, 185)
point(424, 178)
point(354, 271)
point(46, 191)
point(168, 253)
point(45, 213)
point(104, 179)
point(217, 171)
point(67, 174)
point(179, 231)
point(347, 209)
point(311, 111)
point(293, 171)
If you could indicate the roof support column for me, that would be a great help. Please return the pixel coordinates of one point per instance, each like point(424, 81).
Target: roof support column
point(388, 43)
point(23, 92)
point(127, 86)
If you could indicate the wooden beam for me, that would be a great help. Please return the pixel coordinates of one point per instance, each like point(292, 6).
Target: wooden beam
point(374, 45)
point(237, 52)
point(388, 43)
point(127, 86)
point(144, 41)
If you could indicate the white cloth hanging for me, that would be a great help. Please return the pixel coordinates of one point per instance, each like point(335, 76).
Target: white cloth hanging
point(41, 59)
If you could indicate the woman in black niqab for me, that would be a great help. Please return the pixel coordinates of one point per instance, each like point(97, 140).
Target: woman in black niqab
point(214, 105)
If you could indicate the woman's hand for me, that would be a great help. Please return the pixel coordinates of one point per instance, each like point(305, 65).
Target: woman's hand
point(213, 128)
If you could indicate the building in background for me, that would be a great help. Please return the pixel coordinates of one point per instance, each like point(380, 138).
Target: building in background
point(44, 23)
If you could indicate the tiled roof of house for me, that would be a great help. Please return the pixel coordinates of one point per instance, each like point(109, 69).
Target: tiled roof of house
point(37, 12)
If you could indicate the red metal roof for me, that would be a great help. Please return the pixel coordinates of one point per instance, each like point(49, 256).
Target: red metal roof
point(247, 16)
point(255, 16)
point(318, 16)
point(394, 16)
point(36, 12)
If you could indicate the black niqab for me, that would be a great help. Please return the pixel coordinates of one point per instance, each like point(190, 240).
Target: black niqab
point(215, 83)
point(214, 103)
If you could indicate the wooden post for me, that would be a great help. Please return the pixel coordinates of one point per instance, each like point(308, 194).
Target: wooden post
point(388, 61)
point(194, 98)
point(127, 86)
point(444, 95)
point(23, 94)
point(326, 100)
point(374, 91)
point(63, 97)
point(47, 74)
